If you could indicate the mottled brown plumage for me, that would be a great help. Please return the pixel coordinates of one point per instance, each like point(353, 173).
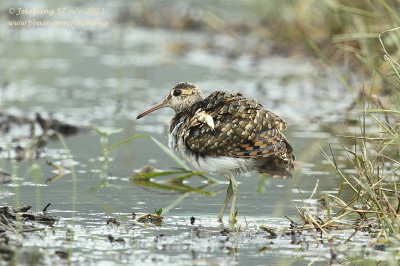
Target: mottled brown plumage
point(242, 129)
point(226, 133)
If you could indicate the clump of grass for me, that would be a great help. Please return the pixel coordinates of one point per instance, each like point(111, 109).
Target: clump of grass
point(341, 32)
point(370, 195)
point(374, 188)
point(374, 202)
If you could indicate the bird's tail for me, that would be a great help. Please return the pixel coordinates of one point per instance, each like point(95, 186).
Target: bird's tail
point(277, 167)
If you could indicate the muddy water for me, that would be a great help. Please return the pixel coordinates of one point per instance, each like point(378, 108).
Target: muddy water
point(104, 78)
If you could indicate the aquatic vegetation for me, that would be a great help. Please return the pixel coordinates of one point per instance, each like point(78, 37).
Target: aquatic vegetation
point(368, 200)
point(343, 34)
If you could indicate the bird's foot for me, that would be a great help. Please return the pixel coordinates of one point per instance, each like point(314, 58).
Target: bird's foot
point(232, 217)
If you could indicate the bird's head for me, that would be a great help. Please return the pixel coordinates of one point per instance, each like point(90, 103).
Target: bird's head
point(180, 98)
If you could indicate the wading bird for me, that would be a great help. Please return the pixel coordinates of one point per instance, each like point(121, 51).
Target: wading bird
point(226, 134)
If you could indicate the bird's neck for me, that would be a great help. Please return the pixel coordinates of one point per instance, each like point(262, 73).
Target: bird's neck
point(187, 105)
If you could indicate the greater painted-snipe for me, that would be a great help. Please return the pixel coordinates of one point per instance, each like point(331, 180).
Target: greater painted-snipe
point(226, 134)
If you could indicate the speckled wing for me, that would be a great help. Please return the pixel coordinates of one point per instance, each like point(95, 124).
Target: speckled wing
point(241, 128)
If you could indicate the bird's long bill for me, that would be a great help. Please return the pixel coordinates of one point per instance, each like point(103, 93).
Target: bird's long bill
point(152, 109)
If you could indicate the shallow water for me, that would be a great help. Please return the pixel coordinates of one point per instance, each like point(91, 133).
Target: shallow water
point(104, 78)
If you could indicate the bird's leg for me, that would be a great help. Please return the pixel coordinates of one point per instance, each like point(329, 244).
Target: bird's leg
point(231, 194)
point(234, 189)
point(226, 201)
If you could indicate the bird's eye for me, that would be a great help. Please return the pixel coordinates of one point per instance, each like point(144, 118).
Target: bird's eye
point(177, 92)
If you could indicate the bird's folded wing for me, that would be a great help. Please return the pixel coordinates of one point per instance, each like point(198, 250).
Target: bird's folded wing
point(241, 128)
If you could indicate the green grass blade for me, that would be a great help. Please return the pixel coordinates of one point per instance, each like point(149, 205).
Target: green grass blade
point(175, 202)
point(188, 175)
point(197, 190)
point(177, 188)
point(164, 148)
point(122, 142)
point(157, 174)
point(170, 154)
point(151, 184)
point(381, 111)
